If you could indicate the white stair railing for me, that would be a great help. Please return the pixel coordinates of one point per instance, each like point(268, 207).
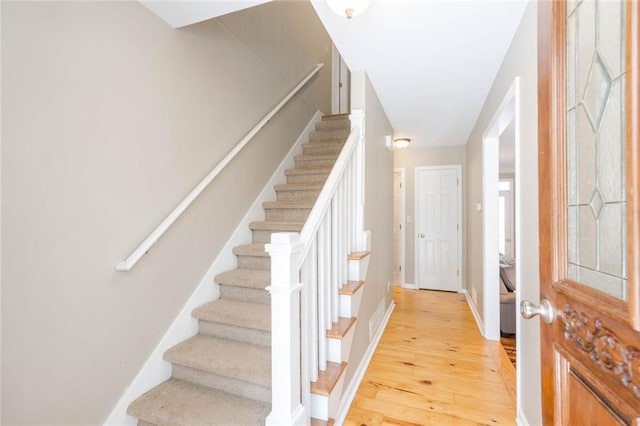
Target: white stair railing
point(307, 271)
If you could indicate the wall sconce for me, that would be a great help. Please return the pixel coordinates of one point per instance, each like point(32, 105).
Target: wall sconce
point(401, 143)
point(348, 8)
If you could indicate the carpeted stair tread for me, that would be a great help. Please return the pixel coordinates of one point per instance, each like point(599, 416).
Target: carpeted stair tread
point(287, 205)
point(253, 278)
point(234, 312)
point(333, 124)
point(323, 170)
point(343, 116)
point(311, 157)
point(298, 187)
point(176, 402)
point(228, 358)
point(331, 132)
point(255, 249)
point(277, 226)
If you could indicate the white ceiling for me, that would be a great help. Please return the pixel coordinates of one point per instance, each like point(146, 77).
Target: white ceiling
point(432, 62)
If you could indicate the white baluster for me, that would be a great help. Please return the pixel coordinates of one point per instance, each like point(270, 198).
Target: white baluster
point(310, 314)
point(328, 287)
point(335, 271)
point(286, 407)
point(322, 295)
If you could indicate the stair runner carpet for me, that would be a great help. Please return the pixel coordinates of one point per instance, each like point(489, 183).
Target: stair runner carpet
point(222, 375)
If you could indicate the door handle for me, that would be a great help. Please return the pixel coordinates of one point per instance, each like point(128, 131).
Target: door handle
point(545, 309)
point(421, 235)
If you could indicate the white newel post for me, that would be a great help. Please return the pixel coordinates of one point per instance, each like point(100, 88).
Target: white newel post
point(286, 407)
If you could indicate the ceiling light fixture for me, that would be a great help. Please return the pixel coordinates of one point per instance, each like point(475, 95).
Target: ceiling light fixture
point(348, 8)
point(401, 143)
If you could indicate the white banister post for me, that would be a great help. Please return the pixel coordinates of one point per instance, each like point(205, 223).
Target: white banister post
point(286, 407)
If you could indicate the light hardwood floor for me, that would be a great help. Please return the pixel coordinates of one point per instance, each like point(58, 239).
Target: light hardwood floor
point(432, 367)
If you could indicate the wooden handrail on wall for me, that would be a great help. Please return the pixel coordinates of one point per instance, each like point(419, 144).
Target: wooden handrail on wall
point(154, 236)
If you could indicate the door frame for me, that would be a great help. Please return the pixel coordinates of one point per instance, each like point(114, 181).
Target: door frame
point(403, 219)
point(416, 205)
point(506, 113)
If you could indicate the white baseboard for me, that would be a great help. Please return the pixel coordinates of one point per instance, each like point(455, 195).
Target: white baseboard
point(410, 286)
point(156, 370)
point(474, 311)
point(352, 387)
point(521, 420)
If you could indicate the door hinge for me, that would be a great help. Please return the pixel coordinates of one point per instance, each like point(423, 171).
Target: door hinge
point(401, 227)
point(458, 272)
point(400, 268)
point(457, 181)
point(458, 227)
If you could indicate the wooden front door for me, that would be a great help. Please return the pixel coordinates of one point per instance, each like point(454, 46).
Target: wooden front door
point(589, 211)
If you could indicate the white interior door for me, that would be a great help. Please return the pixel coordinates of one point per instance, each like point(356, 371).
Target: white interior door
point(438, 213)
point(341, 76)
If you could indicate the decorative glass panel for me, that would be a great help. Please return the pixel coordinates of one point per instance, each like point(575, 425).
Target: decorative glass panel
point(595, 139)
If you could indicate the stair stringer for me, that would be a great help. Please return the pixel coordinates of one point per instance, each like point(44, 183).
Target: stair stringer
point(325, 407)
point(156, 370)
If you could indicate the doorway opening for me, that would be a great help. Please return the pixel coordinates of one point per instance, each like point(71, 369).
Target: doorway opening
point(502, 132)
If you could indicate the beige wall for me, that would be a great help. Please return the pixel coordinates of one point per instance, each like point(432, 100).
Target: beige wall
point(378, 215)
point(110, 118)
point(409, 159)
point(521, 60)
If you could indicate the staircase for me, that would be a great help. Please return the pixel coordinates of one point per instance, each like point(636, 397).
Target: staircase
point(222, 375)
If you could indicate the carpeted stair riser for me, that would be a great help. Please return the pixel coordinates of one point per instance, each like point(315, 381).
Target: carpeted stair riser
point(304, 193)
point(287, 214)
point(320, 162)
point(254, 262)
point(329, 137)
point(245, 294)
point(322, 148)
point(231, 332)
point(332, 125)
point(316, 177)
point(226, 384)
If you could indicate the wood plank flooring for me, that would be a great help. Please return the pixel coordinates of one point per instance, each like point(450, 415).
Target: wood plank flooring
point(432, 367)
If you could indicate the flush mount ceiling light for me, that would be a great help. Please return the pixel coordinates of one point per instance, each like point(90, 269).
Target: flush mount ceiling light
point(348, 8)
point(401, 143)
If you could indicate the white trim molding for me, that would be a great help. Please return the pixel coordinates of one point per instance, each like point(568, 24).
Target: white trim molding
point(507, 112)
point(474, 311)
